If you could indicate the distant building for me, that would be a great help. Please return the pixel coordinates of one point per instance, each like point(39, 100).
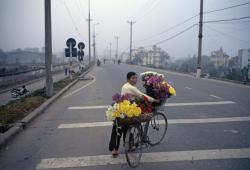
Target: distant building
point(219, 58)
point(244, 57)
point(43, 49)
point(124, 56)
point(35, 50)
point(24, 57)
point(234, 62)
point(154, 57)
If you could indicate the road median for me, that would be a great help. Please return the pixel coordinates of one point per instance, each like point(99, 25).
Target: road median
point(17, 114)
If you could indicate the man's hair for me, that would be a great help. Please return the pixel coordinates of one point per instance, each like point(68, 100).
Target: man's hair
point(130, 74)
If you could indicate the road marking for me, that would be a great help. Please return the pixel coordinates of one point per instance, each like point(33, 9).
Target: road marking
point(77, 90)
point(167, 105)
point(189, 88)
point(170, 121)
point(87, 107)
point(200, 103)
point(193, 155)
point(217, 97)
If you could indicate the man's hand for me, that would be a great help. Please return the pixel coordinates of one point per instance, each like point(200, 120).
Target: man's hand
point(157, 100)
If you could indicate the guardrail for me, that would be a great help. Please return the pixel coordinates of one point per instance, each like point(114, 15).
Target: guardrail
point(16, 79)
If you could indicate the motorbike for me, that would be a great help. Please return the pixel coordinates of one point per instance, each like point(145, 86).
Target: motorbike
point(98, 63)
point(19, 92)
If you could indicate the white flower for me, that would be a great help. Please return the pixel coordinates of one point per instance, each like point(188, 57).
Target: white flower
point(122, 116)
point(151, 73)
point(109, 116)
point(110, 112)
point(116, 105)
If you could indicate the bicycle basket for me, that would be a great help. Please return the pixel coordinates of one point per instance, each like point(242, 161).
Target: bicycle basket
point(137, 120)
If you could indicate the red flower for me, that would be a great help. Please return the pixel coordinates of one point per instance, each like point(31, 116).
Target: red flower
point(145, 98)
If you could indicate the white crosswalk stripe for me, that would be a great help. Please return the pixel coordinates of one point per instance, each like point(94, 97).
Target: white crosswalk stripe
point(167, 105)
point(171, 121)
point(194, 155)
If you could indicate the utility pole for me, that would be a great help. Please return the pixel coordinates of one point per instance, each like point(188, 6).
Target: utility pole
point(94, 36)
point(198, 74)
point(48, 48)
point(89, 35)
point(116, 55)
point(107, 52)
point(131, 25)
point(110, 44)
point(94, 43)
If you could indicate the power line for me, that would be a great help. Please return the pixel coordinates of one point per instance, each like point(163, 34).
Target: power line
point(153, 6)
point(233, 22)
point(188, 19)
point(79, 8)
point(76, 29)
point(238, 29)
point(227, 20)
point(162, 41)
point(82, 9)
point(145, 5)
point(227, 35)
point(169, 29)
point(221, 9)
point(214, 40)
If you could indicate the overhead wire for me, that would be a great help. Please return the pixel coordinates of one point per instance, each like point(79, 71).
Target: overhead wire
point(71, 17)
point(227, 35)
point(222, 9)
point(149, 11)
point(188, 19)
point(176, 35)
point(227, 20)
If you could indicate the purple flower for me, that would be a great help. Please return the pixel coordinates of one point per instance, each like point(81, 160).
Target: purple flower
point(119, 98)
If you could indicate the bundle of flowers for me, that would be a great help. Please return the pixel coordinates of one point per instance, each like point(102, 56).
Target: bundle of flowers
point(147, 74)
point(157, 87)
point(125, 111)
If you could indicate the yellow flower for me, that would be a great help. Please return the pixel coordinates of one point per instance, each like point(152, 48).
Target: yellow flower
point(172, 90)
point(123, 109)
point(164, 82)
point(117, 114)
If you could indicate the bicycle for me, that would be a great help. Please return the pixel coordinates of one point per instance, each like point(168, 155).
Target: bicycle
point(141, 134)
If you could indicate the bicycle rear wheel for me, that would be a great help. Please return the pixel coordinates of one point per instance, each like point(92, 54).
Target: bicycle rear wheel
point(133, 146)
point(157, 128)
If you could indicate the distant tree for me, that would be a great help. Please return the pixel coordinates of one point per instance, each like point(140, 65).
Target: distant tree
point(3, 57)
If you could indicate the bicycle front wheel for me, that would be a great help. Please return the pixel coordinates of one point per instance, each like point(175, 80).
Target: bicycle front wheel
point(133, 146)
point(157, 128)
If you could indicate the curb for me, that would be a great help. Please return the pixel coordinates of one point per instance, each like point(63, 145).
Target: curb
point(230, 81)
point(13, 131)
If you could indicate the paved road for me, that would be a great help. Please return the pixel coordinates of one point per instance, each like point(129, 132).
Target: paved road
point(208, 128)
point(40, 83)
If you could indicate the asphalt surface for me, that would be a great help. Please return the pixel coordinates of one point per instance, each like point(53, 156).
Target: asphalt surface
point(73, 147)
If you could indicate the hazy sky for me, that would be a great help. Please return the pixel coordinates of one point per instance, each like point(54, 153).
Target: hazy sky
point(22, 24)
